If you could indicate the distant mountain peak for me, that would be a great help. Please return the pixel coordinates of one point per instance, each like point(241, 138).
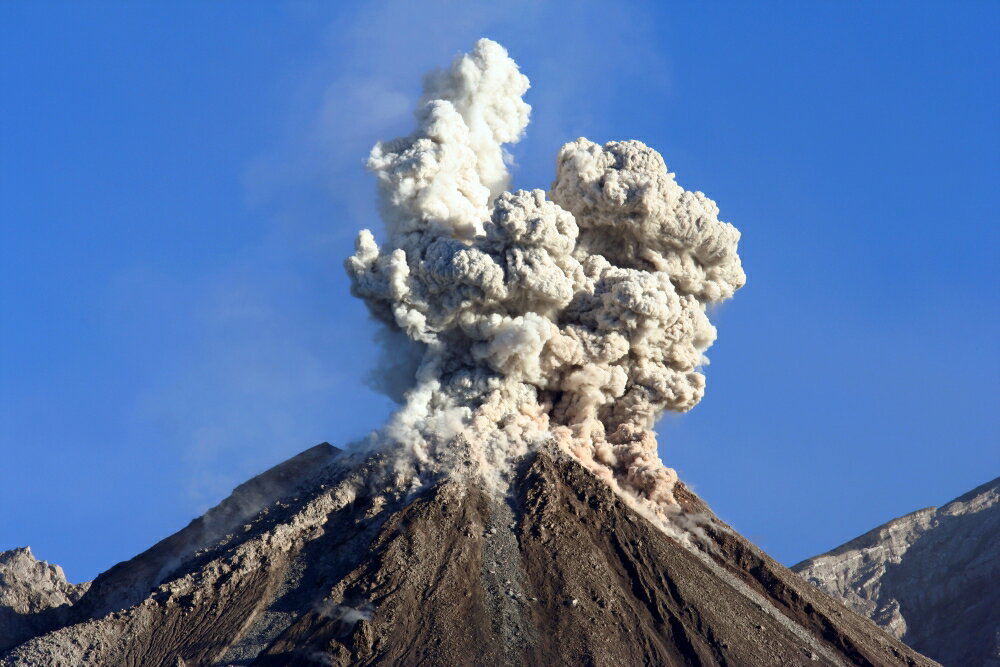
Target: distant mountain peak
point(33, 594)
point(929, 577)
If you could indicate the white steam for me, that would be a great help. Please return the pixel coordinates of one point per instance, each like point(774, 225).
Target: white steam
point(575, 316)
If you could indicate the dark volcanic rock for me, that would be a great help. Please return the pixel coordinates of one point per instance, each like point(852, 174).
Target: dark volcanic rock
point(560, 572)
point(931, 578)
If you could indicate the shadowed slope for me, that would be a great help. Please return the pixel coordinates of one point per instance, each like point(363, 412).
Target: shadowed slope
point(929, 578)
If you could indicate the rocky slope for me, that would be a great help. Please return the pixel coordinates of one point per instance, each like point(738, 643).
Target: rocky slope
point(306, 565)
point(33, 595)
point(931, 578)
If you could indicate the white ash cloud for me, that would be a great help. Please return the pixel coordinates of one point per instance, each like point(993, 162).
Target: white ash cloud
point(576, 316)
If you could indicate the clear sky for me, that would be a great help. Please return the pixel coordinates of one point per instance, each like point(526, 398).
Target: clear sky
point(180, 182)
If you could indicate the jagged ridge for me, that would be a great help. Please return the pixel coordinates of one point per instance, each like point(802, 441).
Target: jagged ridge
point(929, 578)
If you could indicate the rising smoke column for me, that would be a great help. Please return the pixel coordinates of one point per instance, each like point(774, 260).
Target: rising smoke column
point(576, 316)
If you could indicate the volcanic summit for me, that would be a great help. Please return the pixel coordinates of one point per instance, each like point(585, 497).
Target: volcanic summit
point(298, 568)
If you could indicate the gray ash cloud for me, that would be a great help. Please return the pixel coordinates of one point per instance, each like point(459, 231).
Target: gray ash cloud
point(575, 316)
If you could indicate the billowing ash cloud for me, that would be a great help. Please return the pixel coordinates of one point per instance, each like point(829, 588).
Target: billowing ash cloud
point(576, 316)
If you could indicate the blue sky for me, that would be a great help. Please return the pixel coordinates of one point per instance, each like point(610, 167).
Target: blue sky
point(180, 182)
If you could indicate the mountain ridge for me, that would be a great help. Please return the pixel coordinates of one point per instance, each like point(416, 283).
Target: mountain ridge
point(926, 577)
point(560, 570)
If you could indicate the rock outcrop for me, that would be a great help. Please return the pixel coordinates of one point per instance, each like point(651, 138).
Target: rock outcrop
point(931, 578)
point(324, 569)
point(33, 595)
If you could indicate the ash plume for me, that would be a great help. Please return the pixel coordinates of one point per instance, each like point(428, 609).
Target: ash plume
point(576, 316)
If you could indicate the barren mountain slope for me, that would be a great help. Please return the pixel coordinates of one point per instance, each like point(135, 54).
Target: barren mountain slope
point(931, 578)
point(560, 572)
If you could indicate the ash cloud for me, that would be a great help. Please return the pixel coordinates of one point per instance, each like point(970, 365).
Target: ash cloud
point(575, 316)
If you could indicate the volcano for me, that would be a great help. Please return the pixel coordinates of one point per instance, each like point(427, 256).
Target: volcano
point(297, 567)
point(514, 510)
